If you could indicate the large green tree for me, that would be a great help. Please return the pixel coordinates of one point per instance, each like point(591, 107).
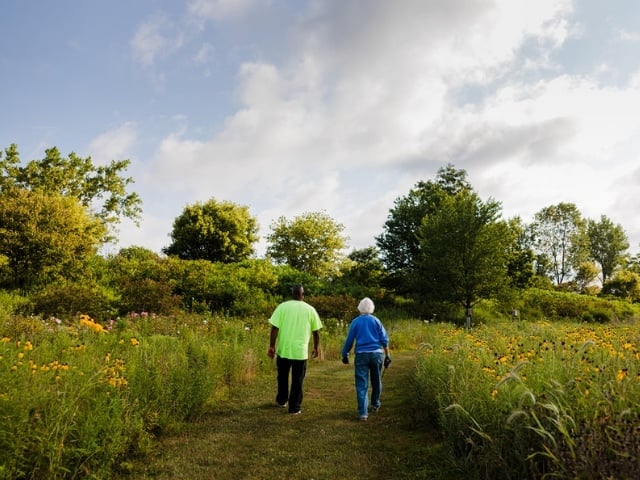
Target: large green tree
point(398, 243)
point(312, 243)
point(464, 250)
point(558, 234)
point(608, 245)
point(45, 236)
point(215, 231)
point(103, 189)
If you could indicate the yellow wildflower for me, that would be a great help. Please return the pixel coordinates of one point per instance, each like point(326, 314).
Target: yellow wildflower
point(621, 375)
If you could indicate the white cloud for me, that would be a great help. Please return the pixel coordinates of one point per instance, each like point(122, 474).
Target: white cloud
point(115, 144)
point(205, 53)
point(372, 92)
point(629, 36)
point(219, 10)
point(155, 38)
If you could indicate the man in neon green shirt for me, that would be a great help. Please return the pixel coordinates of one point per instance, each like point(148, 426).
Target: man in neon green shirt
point(293, 323)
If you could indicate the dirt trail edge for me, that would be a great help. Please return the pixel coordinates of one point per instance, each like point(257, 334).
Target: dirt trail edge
point(248, 437)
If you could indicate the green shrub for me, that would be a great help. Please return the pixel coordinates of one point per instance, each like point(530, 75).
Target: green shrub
point(11, 303)
point(70, 299)
point(340, 307)
point(148, 295)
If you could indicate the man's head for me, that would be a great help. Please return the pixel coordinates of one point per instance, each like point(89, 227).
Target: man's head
point(298, 292)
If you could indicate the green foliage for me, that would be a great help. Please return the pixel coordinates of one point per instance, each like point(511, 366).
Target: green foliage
point(74, 177)
point(10, 303)
point(45, 236)
point(289, 276)
point(69, 299)
point(362, 274)
point(311, 243)
point(216, 231)
point(143, 281)
point(239, 289)
point(607, 245)
point(399, 247)
point(463, 250)
point(554, 305)
point(169, 380)
point(339, 307)
point(624, 285)
point(60, 408)
point(520, 257)
point(558, 234)
point(533, 400)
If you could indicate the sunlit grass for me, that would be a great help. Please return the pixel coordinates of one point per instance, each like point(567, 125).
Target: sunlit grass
point(538, 398)
point(511, 399)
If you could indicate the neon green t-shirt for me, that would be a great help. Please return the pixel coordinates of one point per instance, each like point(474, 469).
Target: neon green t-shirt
point(295, 320)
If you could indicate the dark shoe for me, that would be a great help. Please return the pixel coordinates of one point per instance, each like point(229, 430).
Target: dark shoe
point(281, 405)
point(375, 409)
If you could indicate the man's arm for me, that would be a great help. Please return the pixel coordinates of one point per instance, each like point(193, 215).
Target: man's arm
point(316, 344)
point(272, 341)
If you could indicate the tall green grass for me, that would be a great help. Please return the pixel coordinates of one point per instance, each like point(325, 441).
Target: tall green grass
point(513, 399)
point(78, 399)
point(521, 400)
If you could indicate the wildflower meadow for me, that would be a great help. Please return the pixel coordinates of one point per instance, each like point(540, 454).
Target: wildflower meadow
point(80, 398)
point(532, 400)
point(512, 399)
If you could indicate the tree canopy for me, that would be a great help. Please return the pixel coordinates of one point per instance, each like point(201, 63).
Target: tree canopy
point(103, 189)
point(398, 243)
point(215, 231)
point(465, 250)
point(607, 245)
point(312, 243)
point(45, 236)
point(558, 238)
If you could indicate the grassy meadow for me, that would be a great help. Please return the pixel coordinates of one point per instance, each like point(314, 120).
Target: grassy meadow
point(508, 399)
point(533, 400)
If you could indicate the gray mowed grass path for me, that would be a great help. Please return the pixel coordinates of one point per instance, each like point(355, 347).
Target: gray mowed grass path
point(247, 437)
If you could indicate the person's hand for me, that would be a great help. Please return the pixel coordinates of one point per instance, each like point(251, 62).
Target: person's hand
point(387, 361)
point(345, 360)
point(314, 353)
point(271, 352)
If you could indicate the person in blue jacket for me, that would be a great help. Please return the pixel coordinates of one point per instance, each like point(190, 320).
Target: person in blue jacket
point(371, 354)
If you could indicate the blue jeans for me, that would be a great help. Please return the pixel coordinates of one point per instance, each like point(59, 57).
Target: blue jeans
point(368, 365)
point(298, 370)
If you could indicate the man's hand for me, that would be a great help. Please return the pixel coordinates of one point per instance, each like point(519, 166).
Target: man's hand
point(387, 361)
point(314, 353)
point(345, 360)
point(271, 352)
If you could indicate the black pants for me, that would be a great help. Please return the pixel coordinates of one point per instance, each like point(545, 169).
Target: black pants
point(298, 369)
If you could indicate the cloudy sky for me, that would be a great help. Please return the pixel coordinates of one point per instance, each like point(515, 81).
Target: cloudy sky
point(340, 106)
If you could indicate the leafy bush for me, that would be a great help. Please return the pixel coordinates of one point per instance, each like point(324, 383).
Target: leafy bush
point(11, 303)
point(339, 307)
point(554, 305)
point(148, 295)
point(69, 299)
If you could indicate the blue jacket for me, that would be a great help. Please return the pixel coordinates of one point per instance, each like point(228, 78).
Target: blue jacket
point(368, 333)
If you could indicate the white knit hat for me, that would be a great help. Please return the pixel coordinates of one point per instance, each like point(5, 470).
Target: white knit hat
point(366, 305)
